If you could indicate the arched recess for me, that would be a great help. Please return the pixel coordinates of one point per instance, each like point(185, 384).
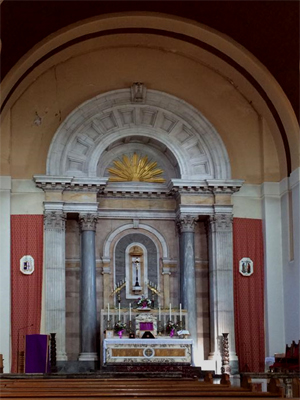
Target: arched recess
point(174, 128)
point(142, 227)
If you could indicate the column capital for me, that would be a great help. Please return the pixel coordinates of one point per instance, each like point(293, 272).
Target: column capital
point(186, 223)
point(88, 221)
point(54, 220)
point(221, 222)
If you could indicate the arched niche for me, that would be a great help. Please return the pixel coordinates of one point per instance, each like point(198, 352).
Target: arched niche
point(168, 128)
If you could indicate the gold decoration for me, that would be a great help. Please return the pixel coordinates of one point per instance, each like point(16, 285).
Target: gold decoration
point(136, 169)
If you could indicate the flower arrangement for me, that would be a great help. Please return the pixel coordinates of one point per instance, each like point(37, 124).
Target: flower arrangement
point(143, 302)
point(171, 328)
point(120, 326)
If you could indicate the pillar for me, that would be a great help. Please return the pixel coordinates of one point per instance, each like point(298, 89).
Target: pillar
point(221, 287)
point(5, 284)
point(106, 272)
point(55, 278)
point(88, 298)
point(186, 225)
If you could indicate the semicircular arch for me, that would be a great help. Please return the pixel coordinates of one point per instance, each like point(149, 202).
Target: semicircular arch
point(95, 125)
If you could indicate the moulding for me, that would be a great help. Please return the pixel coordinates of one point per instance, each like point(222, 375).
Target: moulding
point(5, 182)
point(295, 178)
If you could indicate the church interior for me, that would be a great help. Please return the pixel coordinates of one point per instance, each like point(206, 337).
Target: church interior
point(149, 184)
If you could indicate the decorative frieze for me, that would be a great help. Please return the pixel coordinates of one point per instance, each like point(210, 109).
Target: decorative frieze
point(88, 222)
point(54, 220)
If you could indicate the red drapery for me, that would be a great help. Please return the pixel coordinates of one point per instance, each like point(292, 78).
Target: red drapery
point(26, 290)
point(249, 295)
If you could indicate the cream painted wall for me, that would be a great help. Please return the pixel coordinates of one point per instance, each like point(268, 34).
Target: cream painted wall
point(26, 198)
point(59, 90)
point(5, 302)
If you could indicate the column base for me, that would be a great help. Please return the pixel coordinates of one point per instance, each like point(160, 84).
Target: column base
point(61, 356)
point(88, 357)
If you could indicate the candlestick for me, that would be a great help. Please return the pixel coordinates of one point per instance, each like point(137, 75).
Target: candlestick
point(129, 311)
point(119, 311)
point(180, 312)
point(170, 311)
point(108, 312)
point(159, 313)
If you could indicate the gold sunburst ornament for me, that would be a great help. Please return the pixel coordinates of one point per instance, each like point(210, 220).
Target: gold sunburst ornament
point(136, 169)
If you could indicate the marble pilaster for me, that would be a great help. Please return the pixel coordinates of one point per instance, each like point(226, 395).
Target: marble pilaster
point(106, 272)
point(88, 299)
point(166, 279)
point(221, 287)
point(55, 278)
point(186, 225)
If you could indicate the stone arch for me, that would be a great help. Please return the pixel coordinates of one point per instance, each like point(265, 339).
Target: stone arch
point(86, 134)
point(142, 227)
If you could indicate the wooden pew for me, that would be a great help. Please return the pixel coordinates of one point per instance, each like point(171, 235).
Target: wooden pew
point(103, 389)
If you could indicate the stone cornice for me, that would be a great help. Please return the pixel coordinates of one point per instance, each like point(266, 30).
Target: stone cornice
point(67, 183)
point(135, 190)
point(213, 186)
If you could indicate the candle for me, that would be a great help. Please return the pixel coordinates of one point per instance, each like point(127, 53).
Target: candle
point(180, 313)
point(119, 311)
point(107, 311)
point(159, 313)
point(170, 311)
point(129, 311)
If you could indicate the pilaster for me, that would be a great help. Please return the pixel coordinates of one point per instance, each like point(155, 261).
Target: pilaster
point(106, 272)
point(55, 277)
point(167, 267)
point(5, 284)
point(221, 286)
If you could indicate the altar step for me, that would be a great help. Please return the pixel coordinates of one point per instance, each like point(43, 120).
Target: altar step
point(154, 371)
point(76, 388)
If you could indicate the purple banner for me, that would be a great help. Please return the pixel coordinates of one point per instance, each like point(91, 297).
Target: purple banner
point(146, 326)
point(36, 354)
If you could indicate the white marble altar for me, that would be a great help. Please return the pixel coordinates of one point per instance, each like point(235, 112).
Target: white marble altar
point(134, 351)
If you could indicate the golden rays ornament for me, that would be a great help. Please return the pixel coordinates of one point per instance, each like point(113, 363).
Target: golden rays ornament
point(136, 169)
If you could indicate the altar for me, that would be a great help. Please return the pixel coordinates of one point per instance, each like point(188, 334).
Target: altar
point(160, 351)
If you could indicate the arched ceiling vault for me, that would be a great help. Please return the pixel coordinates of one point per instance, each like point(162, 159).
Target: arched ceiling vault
point(244, 71)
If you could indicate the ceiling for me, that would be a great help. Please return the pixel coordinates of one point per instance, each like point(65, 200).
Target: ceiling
point(268, 29)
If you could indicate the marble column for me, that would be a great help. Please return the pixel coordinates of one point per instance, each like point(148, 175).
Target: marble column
point(88, 298)
point(55, 278)
point(221, 287)
point(186, 225)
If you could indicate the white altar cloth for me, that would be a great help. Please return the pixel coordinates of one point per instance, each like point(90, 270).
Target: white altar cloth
point(148, 350)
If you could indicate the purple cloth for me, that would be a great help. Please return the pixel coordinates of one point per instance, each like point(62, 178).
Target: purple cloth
point(36, 354)
point(146, 326)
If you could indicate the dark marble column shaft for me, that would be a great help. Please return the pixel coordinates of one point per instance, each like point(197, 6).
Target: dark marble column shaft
point(188, 300)
point(88, 297)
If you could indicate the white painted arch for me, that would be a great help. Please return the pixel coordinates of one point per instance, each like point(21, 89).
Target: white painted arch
point(91, 129)
point(123, 228)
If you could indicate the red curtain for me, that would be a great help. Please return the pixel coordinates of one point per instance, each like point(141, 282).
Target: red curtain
point(26, 290)
point(249, 295)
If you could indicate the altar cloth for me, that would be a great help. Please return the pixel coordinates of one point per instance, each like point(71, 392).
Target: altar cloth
point(162, 350)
